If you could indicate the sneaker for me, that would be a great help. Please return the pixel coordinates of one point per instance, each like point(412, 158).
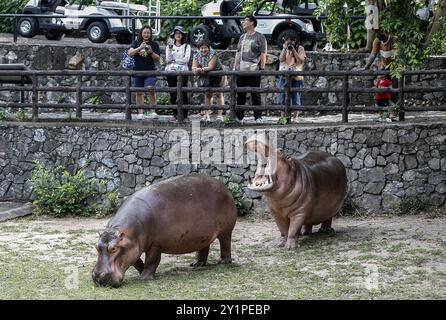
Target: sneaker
point(151, 115)
point(220, 118)
point(259, 120)
point(139, 116)
point(206, 118)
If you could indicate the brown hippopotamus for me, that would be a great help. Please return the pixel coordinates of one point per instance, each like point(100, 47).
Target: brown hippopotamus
point(179, 215)
point(300, 192)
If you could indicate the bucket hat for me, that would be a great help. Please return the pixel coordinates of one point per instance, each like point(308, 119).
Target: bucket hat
point(178, 28)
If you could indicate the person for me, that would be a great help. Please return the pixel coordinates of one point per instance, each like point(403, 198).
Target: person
point(383, 98)
point(250, 56)
point(178, 53)
point(292, 58)
point(383, 45)
point(146, 53)
point(205, 60)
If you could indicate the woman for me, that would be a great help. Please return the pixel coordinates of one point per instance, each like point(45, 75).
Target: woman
point(205, 60)
point(178, 53)
point(146, 53)
point(292, 58)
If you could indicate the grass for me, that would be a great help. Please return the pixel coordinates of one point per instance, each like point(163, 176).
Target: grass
point(409, 265)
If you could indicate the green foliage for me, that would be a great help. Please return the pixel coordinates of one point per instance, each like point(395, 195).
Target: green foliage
point(236, 189)
point(283, 120)
point(412, 205)
point(392, 111)
point(400, 21)
point(228, 120)
point(338, 19)
point(438, 42)
point(59, 193)
point(10, 7)
point(3, 114)
point(20, 115)
point(349, 207)
point(94, 100)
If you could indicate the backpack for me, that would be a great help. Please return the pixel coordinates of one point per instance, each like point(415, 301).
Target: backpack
point(127, 62)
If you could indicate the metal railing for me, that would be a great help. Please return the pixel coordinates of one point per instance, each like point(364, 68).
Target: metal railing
point(346, 90)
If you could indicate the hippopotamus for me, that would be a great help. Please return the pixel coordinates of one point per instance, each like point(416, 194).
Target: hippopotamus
point(300, 192)
point(179, 215)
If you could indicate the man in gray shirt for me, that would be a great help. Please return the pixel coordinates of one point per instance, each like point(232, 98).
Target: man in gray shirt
point(250, 56)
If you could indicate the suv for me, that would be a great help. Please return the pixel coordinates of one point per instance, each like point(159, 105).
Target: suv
point(221, 31)
point(98, 29)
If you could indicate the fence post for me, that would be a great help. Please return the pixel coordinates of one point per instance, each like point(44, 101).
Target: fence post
point(180, 113)
point(346, 99)
point(288, 99)
point(15, 27)
point(79, 97)
point(233, 98)
point(35, 111)
point(401, 98)
point(133, 28)
point(128, 99)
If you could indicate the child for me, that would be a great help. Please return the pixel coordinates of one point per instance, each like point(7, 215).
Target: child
point(383, 98)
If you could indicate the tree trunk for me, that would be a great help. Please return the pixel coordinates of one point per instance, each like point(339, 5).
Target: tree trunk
point(440, 12)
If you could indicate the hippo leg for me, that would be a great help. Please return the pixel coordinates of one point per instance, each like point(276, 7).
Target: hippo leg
point(202, 257)
point(153, 258)
point(326, 226)
point(225, 248)
point(307, 229)
point(139, 265)
point(296, 223)
point(283, 225)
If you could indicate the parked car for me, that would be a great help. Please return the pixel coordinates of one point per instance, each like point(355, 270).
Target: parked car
point(221, 31)
point(98, 29)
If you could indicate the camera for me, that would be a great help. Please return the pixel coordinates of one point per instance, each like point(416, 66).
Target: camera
point(290, 47)
point(147, 47)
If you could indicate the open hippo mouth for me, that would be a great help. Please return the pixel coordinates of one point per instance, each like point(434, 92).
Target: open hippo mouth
point(262, 181)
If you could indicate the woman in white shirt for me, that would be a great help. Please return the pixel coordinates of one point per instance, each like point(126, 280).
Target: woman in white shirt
point(178, 53)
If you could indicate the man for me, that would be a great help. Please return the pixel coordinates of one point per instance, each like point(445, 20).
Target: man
point(250, 56)
point(383, 44)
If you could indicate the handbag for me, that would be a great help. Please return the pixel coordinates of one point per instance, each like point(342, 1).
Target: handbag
point(127, 62)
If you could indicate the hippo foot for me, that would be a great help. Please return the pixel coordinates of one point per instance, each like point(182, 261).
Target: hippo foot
point(281, 242)
point(198, 264)
point(225, 261)
point(290, 244)
point(146, 277)
point(326, 230)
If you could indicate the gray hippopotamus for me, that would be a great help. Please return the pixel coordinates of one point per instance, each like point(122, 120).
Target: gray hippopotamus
point(300, 192)
point(179, 215)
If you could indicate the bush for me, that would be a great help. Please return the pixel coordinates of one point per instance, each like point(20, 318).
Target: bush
point(349, 207)
point(11, 6)
point(60, 193)
point(412, 205)
point(241, 201)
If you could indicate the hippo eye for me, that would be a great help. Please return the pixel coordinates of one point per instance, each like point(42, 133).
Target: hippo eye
point(112, 250)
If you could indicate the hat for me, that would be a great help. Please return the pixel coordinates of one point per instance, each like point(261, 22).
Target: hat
point(178, 28)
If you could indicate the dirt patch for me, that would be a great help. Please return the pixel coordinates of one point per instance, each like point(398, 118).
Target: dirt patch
point(378, 256)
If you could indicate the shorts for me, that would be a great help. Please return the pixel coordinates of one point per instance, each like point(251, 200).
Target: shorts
point(143, 82)
point(213, 82)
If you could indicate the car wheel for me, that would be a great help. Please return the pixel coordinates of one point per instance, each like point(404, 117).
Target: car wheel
point(199, 33)
point(53, 35)
point(98, 32)
point(124, 38)
point(221, 44)
point(28, 27)
point(286, 34)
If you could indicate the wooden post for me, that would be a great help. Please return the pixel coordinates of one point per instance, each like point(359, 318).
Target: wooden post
point(288, 99)
point(401, 98)
point(35, 97)
point(128, 99)
point(346, 99)
point(180, 113)
point(233, 98)
point(79, 97)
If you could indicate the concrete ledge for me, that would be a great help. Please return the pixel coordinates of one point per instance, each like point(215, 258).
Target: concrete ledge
point(12, 210)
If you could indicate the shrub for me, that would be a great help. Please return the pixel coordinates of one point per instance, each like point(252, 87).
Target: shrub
point(239, 195)
point(349, 207)
point(412, 205)
point(59, 193)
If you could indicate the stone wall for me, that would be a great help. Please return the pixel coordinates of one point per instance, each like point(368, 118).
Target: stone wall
point(385, 163)
point(107, 57)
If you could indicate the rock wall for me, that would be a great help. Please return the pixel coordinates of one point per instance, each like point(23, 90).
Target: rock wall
point(385, 163)
point(107, 57)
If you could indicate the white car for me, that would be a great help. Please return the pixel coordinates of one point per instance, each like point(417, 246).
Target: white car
point(98, 29)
